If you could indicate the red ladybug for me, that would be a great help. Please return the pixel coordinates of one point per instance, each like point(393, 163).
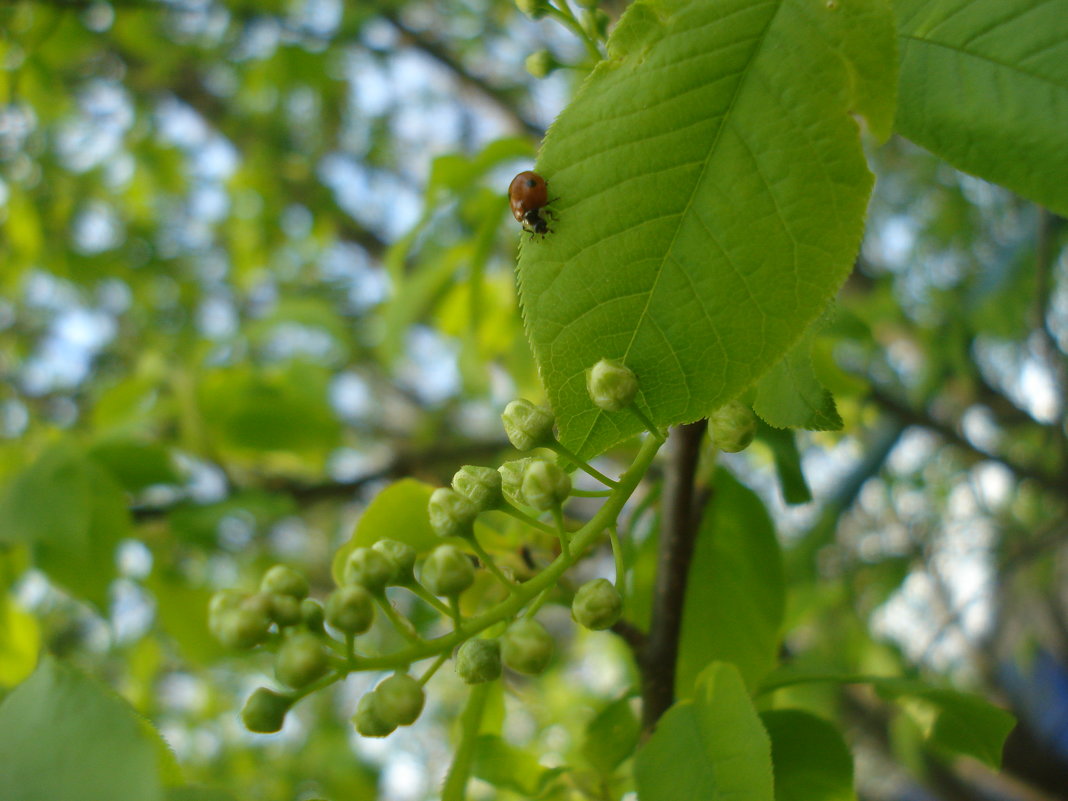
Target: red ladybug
point(528, 195)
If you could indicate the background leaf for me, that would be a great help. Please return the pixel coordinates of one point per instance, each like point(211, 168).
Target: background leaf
point(709, 174)
point(812, 762)
point(984, 85)
point(953, 721)
point(735, 596)
point(399, 512)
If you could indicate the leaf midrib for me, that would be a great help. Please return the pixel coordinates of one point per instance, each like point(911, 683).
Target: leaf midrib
point(983, 57)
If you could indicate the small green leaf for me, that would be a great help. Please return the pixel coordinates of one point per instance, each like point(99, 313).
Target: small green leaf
point(791, 396)
point(399, 512)
point(952, 721)
point(984, 85)
point(812, 761)
point(511, 768)
point(735, 597)
point(712, 747)
point(63, 736)
point(611, 736)
point(711, 194)
point(787, 458)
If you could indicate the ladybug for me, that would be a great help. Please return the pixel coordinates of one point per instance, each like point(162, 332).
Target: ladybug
point(528, 195)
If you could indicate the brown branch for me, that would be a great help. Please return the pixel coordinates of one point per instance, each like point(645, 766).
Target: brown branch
point(403, 464)
point(918, 417)
point(680, 518)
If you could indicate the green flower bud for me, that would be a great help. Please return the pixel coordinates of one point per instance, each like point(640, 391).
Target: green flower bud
point(370, 568)
point(350, 609)
point(399, 700)
point(285, 609)
point(732, 427)
point(247, 625)
point(597, 605)
point(447, 571)
point(535, 9)
point(300, 660)
point(368, 719)
point(284, 580)
point(540, 63)
point(612, 386)
point(220, 606)
point(265, 711)
point(526, 647)
point(480, 485)
point(400, 554)
point(526, 425)
point(312, 615)
point(451, 514)
point(545, 485)
point(512, 479)
point(478, 661)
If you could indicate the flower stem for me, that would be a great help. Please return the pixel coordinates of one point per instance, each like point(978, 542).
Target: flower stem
point(567, 453)
point(491, 566)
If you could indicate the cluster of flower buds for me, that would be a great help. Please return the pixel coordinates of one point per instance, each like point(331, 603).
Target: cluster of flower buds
point(314, 643)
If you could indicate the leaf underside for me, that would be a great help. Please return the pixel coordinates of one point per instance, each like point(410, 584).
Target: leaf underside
point(711, 190)
point(984, 85)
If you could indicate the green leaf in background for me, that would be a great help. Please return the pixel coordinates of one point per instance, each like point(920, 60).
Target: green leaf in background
point(735, 597)
point(398, 513)
point(791, 396)
point(712, 747)
point(283, 408)
point(984, 85)
point(708, 174)
point(511, 768)
point(136, 464)
point(812, 761)
point(63, 736)
point(611, 736)
point(952, 721)
point(72, 513)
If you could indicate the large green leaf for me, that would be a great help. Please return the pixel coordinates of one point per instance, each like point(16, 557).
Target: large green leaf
point(812, 761)
point(984, 85)
point(710, 191)
point(712, 747)
point(735, 596)
point(63, 736)
point(611, 736)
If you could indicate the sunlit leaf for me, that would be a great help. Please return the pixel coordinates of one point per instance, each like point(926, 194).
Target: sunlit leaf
point(712, 190)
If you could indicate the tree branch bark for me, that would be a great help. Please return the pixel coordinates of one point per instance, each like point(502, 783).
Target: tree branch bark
point(680, 518)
